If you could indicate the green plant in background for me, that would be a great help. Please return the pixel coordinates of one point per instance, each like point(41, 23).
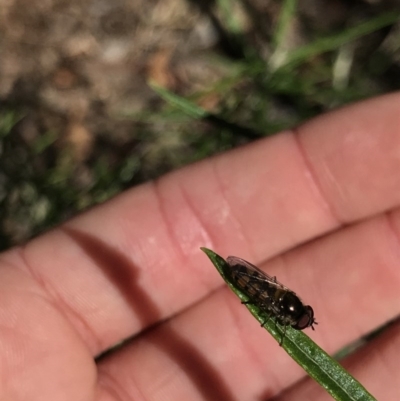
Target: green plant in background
point(316, 362)
point(261, 97)
point(8, 119)
point(258, 87)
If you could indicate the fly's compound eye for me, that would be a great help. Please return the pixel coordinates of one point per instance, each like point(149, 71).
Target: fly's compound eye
point(306, 319)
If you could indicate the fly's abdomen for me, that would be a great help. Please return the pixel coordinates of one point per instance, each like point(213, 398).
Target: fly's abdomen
point(252, 285)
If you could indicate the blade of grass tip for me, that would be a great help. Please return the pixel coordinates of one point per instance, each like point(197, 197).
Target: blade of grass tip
point(179, 102)
point(280, 53)
point(316, 362)
point(230, 19)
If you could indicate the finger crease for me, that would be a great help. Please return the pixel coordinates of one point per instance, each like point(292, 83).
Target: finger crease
point(58, 302)
point(314, 178)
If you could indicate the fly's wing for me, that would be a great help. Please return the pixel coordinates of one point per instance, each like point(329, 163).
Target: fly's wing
point(257, 285)
point(262, 276)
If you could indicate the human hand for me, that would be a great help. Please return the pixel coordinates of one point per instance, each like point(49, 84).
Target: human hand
point(132, 268)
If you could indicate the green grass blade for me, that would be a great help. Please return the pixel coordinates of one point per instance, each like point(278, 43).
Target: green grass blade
point(333, 42)
point(281, 51)
point(229, 18)
point(316, 362)
point(179, 102)
point(197, 112)
point(286, 14)
point(7, 121)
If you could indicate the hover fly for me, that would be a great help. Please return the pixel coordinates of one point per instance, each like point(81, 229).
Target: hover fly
point(270, 296)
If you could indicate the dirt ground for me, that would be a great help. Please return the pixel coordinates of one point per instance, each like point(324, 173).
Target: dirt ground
point(78, 67)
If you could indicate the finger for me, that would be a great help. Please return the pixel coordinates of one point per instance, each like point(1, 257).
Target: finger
point(374, 365)
point(217, 350)
point(256, 201)
point(42, 357)
point(343, 156)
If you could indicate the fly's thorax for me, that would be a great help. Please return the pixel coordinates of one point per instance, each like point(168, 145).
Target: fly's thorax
point(291, 308)
point(279, 295)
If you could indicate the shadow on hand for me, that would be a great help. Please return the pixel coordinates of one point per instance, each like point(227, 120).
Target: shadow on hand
point(124, 275)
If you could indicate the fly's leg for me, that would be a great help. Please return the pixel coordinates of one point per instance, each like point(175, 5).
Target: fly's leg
point(283, 335)
point(249, 302)
point(281, 323)
point(265, 321)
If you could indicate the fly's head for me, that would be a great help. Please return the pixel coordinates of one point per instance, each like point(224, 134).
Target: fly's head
point(306, 319)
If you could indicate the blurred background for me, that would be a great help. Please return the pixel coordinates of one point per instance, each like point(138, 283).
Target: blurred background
point(97, 96)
